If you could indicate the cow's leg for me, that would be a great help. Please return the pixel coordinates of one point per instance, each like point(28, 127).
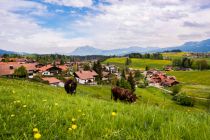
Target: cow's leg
point(115, 98)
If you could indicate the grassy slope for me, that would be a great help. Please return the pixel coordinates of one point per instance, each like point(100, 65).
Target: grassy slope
point(139, 63)
point(51, 110)
point(195, 83)
point(175, 55)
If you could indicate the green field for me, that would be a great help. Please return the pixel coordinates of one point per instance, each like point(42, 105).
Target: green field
point(138, 63)
point(26, 105)
point(195, 83)
point(174, 55)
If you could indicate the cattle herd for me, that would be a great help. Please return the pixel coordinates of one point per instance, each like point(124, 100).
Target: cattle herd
point(116, 92)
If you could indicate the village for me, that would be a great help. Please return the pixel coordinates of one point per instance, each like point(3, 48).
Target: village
point(84, 72)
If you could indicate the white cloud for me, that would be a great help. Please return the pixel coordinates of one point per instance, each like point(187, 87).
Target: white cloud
point(72, 3)
point(146, 23)
point(23, 34)
point(123, 23)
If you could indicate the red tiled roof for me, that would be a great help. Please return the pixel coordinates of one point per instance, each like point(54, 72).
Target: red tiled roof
point(51, 80)
point(85, 75)
point(45, 68)
point(6, 70)
point(63, 67)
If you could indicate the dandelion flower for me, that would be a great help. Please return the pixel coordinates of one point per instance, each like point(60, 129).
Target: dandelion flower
point(73, 119)
point(35, 130)
point(74, 126)
point(114, 114)
point(37, 136)
point(24, 106)
point(79, 110)
point(13, 115)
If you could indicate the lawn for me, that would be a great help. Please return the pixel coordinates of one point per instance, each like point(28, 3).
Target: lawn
point(195, 83)
point(192, 77)
point(174, 55)
point(26, 105)
point(139, 63)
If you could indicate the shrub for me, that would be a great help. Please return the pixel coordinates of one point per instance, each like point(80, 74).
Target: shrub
point(141, 85)
point(21, 72)
point(176, 89)
point(184, 100)
point(123, 83)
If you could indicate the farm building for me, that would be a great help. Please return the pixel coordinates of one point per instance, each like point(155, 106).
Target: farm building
point(53, 81)
point(158, 78)
point(86, 77)
point(52, 70)
point(111, 68)
point(8, 68)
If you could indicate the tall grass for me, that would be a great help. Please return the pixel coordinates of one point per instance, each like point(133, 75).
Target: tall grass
point(25, 105)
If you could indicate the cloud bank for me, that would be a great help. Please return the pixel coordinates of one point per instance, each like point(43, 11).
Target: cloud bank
point(29, 26)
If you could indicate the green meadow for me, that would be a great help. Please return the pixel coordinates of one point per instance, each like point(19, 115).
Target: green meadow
point(90, 114)
point(139, 63)
point(175, 55)
point(194, 83)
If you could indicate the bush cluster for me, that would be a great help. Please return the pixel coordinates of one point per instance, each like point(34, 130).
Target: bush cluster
point(184, 100)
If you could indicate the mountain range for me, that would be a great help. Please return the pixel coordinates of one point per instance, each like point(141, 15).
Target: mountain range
point(199, 46)
point(6, 52)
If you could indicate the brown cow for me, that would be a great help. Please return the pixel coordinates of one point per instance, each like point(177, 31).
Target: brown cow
point(70, 89)
point(123, 94)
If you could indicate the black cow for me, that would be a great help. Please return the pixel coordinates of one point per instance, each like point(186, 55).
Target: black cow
point(123, 94)
point(70, 86)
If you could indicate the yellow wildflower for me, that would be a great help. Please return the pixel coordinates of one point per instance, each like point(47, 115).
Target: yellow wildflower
point(70, 129)
point(13, 115)
point(35, 130)
point(114, 114)
point(56, 104)
point(37, 136)
point(74, 126)
point(73, 119)
point(79, 110)
point(24, 105)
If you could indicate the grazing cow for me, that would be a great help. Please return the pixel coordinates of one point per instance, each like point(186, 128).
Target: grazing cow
point(70, 86)
point(123, 94)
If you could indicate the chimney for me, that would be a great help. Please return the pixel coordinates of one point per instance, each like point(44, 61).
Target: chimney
point(11, 67)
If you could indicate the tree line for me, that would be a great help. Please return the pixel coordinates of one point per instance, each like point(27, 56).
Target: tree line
point(200, 64)
point(157, 56)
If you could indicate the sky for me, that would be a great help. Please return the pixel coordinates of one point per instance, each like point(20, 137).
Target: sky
point(60, 26)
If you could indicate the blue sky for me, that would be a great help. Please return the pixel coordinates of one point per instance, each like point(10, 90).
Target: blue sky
point(60, 26)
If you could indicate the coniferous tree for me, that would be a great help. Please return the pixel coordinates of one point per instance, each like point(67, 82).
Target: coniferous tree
point(131, 81)
point(123, 75)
